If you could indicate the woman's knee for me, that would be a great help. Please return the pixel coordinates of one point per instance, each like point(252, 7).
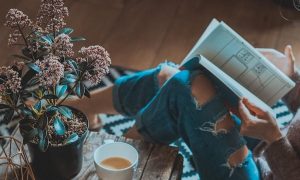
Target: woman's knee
point(202, 89)
point(166, 73)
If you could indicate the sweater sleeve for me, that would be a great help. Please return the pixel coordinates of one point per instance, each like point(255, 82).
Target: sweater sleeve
point(283, 160)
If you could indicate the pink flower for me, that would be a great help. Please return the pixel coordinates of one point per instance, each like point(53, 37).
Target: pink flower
point(16, 20)
point(62, 46)
point(11, 79)
point(51, 71)
point(98, 60)
point(51, 15)
point(13, 37)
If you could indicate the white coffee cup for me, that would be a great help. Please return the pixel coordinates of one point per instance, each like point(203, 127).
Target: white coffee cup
point(115, 149)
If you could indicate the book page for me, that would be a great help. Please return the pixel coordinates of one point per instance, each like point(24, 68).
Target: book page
point(237, 58)
point(233, 85)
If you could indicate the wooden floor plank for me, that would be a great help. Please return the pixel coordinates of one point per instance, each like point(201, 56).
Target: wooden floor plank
point(141, 33)
point(256, 24)
point(188, 25)
point(134, 40)
point(94, 19)
point(259, 27)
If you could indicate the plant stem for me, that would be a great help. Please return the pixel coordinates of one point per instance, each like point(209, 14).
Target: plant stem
point(19, 114)
point(23, 36)
point(18, 44)
point(72, 89)
point(25, 40)
point(53, 25)
point(30, 34)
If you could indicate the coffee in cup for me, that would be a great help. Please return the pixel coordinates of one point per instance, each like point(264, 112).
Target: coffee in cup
point(115, 161)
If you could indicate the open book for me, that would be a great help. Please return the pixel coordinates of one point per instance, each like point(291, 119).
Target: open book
point(238, 65)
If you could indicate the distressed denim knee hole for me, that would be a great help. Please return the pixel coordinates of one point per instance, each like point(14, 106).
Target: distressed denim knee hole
point(202, 89)
point(237, 159)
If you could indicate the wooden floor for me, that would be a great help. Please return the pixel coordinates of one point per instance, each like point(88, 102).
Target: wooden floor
point(141, 33)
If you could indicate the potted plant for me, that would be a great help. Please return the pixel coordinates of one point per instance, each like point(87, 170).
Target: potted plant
point(46, 72)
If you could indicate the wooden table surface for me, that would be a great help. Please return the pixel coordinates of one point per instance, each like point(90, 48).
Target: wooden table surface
point(155, 161)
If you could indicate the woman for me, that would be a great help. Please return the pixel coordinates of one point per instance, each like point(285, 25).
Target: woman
point(283, 148)
point(169, 103)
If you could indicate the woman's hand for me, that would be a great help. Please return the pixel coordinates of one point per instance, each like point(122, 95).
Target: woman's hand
point(258, 123)
point(285, 62)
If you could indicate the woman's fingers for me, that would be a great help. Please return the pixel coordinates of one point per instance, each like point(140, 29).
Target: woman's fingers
point(258, 112)
point(252, 107)
point(288, 51)
point(244, 112)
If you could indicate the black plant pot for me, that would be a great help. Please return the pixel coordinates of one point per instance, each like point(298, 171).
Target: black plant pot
point(59, 163)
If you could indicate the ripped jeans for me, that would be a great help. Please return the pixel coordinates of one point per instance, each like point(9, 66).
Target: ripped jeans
point(167, 113)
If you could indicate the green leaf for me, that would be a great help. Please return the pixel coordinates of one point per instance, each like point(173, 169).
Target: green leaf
point(38, 105)
point(51, 110)
point(79, 90)
point(28, 135)
point(69, 78)
point(83, 65)
point(8, 116)
point(27, 111)
point(21, 57)
point(4, 106)
point(43, 140)
point(34, 67)
point(66, 31)
point(87, 92)
point(43, 122)
point(67, 81)
point(73, 64)
point(48, 39)
point(59, 126)
point(34, 81)
point(50, 96)
point(26, 52)
point(65, 111)
point(14, 97)
point(28, 76)
point(2, 80)
point(72, 138)
point(60, 90)
point(76, 39)
point(26, 124)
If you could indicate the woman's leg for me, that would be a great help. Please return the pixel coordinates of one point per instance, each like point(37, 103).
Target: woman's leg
point(100, 102)
point(136, 91)
point(180, 109)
